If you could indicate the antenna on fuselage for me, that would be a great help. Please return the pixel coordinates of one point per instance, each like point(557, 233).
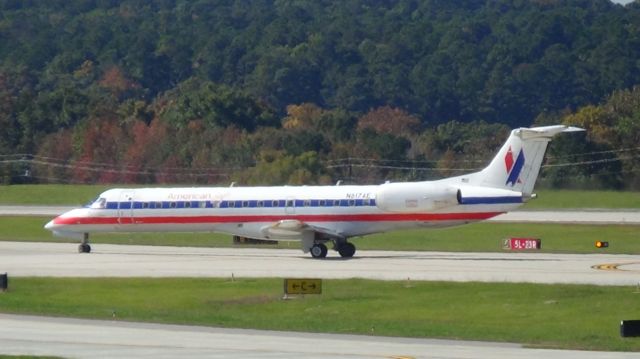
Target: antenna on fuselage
point(339, 182)
point(232, 184)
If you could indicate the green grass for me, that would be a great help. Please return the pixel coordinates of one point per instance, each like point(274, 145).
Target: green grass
point(478, 237)
point(556, 316)
point(74, 195)
point(487, 237)
point(566, 199)
point(81, 194)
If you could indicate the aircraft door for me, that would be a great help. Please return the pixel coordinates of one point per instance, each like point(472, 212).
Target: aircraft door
point(125, 207)
point(290, 206)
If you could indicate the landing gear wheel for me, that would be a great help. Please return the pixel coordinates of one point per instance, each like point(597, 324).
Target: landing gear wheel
point(347, 250)
point(84, 248)
point(319, 250)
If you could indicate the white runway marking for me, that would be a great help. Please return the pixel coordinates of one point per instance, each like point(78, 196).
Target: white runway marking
point(62, 260)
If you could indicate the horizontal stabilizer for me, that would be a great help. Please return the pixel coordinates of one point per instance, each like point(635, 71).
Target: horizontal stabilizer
point(545, 131)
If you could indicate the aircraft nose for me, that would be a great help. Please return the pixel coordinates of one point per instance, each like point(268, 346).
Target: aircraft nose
point(49, 225)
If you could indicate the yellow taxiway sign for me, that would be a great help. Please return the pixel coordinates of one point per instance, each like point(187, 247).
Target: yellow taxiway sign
point(302, 286)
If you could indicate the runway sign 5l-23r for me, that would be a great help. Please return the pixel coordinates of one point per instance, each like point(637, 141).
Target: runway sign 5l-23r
point(521, 244)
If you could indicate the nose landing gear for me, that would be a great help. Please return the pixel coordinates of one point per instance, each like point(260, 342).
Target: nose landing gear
point(84, 247)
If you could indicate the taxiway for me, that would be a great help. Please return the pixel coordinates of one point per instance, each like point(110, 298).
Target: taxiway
point(81, 338)
point(107, 260)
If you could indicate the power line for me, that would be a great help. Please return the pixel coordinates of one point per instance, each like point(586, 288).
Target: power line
point(348, 162)
point(582, 163)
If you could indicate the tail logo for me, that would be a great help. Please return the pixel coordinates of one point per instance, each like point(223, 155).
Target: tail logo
point(513, 167)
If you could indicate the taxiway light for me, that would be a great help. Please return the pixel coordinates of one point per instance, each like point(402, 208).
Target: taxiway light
point(602, 244)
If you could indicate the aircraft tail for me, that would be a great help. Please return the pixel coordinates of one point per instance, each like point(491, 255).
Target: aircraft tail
point(517, 164)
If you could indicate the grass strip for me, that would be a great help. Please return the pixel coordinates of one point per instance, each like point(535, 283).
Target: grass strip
point(477, 237)
point(50, 194)
point(570, 199)
point(551, 316)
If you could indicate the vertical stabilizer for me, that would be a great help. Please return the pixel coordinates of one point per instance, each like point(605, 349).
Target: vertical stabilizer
point(517, 164)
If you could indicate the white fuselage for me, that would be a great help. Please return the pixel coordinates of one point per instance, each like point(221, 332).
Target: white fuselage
point(315, 215)
point(340, 211)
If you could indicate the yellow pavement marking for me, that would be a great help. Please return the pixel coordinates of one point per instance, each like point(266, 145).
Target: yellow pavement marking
point(614, 266)
point(611, 267)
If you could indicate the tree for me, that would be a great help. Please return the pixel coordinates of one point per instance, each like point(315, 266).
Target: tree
point(390, 120)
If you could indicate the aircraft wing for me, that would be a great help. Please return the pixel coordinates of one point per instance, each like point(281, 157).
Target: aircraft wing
point(293, 229)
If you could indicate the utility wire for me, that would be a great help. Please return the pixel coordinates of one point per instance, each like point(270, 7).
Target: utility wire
point(349, 162)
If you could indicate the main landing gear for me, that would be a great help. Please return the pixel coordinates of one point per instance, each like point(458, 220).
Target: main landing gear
point(346, 249)
point(319, 250)
point(84, 247)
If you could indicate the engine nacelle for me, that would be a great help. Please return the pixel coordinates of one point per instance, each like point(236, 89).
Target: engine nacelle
point(486, 195)
point(415, 197)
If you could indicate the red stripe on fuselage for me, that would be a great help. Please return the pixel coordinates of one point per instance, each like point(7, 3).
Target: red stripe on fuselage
point(387, 217)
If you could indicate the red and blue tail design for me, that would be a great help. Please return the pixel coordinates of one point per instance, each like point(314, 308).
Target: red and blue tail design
point(514, 168)
point(518, 172)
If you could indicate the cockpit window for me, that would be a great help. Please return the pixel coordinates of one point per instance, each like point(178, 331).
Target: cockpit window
point(99, 203)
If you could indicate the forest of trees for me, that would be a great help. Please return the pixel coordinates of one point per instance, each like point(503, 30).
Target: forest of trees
point(313, 91)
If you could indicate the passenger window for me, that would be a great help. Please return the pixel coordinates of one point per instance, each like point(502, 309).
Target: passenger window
point(307, 203)
point(245, 204)
point(260, 204)
point(274, 204)
point(336, 203)
point(352, 202)
point(145, 204)
point(173, 204)
point(232, 204)
point(322, 203)
point(187, 205)
point(289, 203)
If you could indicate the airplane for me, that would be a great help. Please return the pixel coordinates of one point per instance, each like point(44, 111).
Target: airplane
point(318, 215)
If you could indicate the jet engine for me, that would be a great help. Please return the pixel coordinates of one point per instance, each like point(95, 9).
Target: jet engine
point(415, 197)
point(487, 195)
